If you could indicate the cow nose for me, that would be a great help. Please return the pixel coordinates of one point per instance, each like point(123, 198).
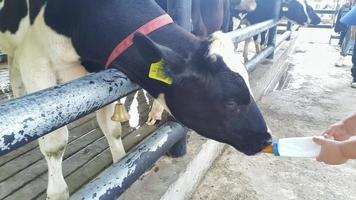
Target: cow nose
point(267, 145)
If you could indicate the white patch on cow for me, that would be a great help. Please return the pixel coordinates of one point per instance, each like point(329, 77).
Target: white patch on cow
point(248, 5)
point(2, 4)
point(223, 46)
point(57, 47)
point(9, 42)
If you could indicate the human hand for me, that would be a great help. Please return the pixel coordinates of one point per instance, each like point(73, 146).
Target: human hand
point(330, 152)
point(338, 132)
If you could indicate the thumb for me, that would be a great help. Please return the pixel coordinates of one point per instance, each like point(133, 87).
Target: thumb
point(319, 140)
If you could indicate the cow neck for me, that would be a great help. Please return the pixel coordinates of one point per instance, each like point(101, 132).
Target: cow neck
point(145, 29)
point(171, 36)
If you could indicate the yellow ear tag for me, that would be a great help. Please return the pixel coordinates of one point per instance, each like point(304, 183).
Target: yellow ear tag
point(284, 9)
point(157, 73)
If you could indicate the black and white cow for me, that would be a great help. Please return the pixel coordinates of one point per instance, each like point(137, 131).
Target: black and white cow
point(209, 16)
point(54, 41)
point(297, 11)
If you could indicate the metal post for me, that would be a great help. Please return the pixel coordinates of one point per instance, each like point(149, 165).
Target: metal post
point(181, 12)
point(242, 34)
point(114, 181)
point(289, 28)
point(272, 33)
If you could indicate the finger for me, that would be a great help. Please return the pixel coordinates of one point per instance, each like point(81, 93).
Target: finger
point(318, 140)
point(330, 137)
point(327, 133)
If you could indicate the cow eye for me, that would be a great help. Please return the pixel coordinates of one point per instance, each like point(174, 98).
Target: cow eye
point(232, 106)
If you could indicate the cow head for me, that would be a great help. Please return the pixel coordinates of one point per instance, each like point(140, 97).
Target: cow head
point(244, 5)
point(299, 12)
point(207, 96)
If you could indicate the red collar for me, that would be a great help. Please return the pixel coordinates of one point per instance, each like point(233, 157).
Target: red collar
point(146, 29)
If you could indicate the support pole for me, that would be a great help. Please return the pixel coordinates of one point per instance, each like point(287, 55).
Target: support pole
point(289, 28)
point(272, 33)
point(115, 180)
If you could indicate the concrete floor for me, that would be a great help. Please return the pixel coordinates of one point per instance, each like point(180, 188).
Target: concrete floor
point(314, 95)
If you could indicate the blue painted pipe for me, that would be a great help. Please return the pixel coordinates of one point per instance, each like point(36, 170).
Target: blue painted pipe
point(272, 33)
point(27, 118)
point(240, 35)
point(113, 181)
point(252, 64)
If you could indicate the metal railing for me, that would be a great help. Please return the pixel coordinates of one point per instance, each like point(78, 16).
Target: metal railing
point(331, 13)
point(240, 35)
point(27, 118)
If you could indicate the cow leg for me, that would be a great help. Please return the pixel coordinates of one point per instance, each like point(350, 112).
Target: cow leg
point(245, 53)
point(155, 113)
point(37, 74)
point(17, 86)
point(16, 82)
point(52, 147)
point(112, 131)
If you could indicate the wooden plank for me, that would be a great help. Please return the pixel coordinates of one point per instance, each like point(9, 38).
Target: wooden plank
point(14, 154)
point(30, 157)
point(86, 173)
point(77, 129)
point(81, 121)
point(89, 171)
point(137, 136)
point(12, 184)
point(38, 168)
point(38, 185)
point(18, 164)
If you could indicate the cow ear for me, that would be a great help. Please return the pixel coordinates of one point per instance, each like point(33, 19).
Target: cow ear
point(153, 52)
point(147, 48)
